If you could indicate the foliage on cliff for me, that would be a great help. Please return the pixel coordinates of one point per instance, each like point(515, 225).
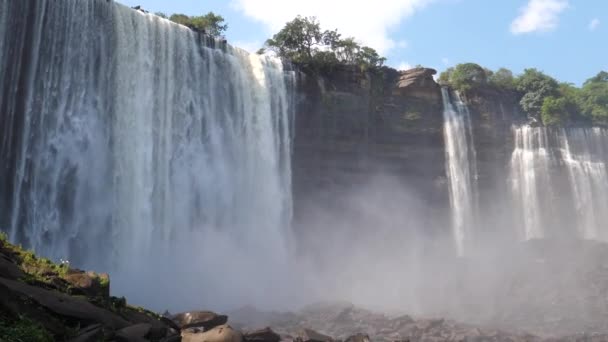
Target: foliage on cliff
point(210, 23)
point(541, 96)
point(303, 42)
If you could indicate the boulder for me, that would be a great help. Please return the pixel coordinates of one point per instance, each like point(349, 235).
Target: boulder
point(309, 335)
point(88, 284)
point(222, 333)
point(422, 77)
point(73, 308)
point(263, 335)
point(199, 319)
point(135, 333)
point(8, 269)
point(91, 333)
point(358, 338)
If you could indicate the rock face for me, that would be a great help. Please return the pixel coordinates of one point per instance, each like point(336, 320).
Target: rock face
point(355, 128)
point(199, 319)
point(69, 304)
point(378, 139)
point(222, 333)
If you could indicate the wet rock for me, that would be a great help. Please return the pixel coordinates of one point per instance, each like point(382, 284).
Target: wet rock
point(309, 335)
point(263, 335)
point(135, 333)
point(221, 333)
point(199, 319)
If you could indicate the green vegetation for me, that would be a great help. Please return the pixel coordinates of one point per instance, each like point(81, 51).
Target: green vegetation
point(23, 330)
point(210, 23)
point(304, 43)
point(540, 95)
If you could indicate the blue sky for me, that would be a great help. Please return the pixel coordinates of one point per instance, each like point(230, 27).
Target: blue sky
point(567, 39)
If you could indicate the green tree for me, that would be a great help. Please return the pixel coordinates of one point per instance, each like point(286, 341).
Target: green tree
point(593, 98)
point(210, 23)
point(468, 76)
point(535, 87)
point(303, 42)
point(555, 111)
point(298, 41)
point(445, 76)
point(502, 79)
point(368, 57)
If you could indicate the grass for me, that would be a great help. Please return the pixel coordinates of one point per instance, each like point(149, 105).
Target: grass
point(23, 330)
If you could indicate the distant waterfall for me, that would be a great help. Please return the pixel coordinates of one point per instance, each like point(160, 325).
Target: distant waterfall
point(135, 145)
point(560, 181)
point(461, 168)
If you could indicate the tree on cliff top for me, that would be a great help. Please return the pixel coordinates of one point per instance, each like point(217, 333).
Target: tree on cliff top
point(303, 42)
point(593, 98)
point(535, 87)
point(210, 23)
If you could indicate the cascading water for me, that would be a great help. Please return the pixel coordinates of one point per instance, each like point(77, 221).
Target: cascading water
point(135, 145)
point(461, 168)
point(560, 181)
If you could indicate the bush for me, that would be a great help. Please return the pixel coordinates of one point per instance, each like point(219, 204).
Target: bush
point(23, 330)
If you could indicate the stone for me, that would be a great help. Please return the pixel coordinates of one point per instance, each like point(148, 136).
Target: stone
point(421, 77)
point(202, 319)
point(89, 334)
point(88, 283)
point(221, 333)
point(135, 333)
point(64, 305)
point(8, 269)
point(358, 338)
point(263, 335)
point(309, 335)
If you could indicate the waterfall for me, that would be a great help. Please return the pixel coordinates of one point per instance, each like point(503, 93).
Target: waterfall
point(134, 145)
point(461, 168)
point(560, 181)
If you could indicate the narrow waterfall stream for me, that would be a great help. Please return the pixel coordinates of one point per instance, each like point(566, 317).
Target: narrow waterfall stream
point(461, 168)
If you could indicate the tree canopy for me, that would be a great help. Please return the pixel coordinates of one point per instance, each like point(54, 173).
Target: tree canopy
point(540, 95)
point(302, 41)
point(210, 23)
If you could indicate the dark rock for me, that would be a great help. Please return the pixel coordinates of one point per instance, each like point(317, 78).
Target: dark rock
point(8, 268)
point(173, 338)
point(263, 335)
point(92, 333)
point(309, 335)
point(88, 283)
point(358, 338)
point(73, 308)
point(134, 333)
point(204, 319)
point(222, 333)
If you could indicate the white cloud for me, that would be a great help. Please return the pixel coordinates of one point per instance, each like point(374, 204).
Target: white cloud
point(539, 16)
point(404, 66)
point(445, 61)
point(593, 24)
point(368, 22)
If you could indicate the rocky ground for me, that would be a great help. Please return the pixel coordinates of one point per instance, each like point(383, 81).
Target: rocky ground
point(43, 301)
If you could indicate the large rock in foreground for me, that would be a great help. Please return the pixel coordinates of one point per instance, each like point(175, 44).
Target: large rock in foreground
point(199, 319)
point(222, 333)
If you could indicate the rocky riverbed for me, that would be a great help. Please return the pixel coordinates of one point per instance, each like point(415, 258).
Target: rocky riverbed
point(43, 301)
